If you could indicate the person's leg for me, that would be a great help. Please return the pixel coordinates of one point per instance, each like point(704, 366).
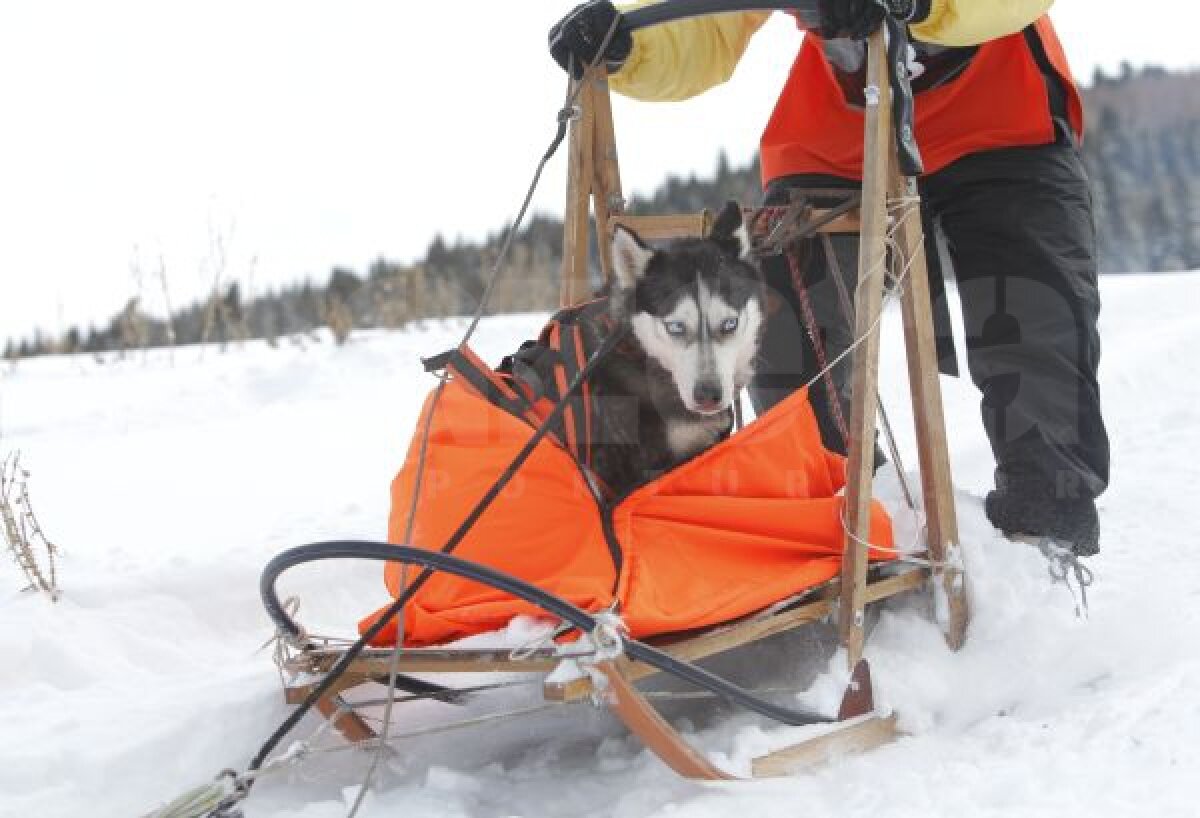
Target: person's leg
point(1019, 226)
point(787, 358)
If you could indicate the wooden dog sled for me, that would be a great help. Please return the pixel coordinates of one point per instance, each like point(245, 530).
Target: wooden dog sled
point(319, 673)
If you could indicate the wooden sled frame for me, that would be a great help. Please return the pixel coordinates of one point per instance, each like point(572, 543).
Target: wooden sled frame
point(594, 187)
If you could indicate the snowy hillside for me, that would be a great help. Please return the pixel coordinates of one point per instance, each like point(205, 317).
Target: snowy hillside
point(170, 478)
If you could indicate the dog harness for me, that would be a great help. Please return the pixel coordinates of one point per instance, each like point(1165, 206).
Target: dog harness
point(530, 382)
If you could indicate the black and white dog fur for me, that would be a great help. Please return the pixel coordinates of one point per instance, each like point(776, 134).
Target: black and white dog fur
point(695, 311)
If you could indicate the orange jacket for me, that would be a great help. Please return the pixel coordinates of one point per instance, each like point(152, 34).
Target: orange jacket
point(999, 101)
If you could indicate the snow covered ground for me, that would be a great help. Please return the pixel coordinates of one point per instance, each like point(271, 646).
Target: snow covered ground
point(170, 478)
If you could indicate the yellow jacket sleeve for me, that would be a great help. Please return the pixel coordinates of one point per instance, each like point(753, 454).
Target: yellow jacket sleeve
point(682, 59)
point(971, 22)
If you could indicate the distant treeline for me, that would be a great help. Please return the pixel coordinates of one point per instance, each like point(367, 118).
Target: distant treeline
point(1142, 153)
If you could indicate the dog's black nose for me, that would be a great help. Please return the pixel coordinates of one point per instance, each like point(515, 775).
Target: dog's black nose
point(707, 395)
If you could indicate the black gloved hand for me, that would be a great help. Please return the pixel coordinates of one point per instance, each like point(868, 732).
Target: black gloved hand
point(857, 19)
point(575, 40)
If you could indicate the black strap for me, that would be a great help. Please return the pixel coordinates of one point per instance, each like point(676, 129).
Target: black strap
point(570, 341)
point(436, 363)
point(1056, 92)
point(908, 155)
point(469, 371)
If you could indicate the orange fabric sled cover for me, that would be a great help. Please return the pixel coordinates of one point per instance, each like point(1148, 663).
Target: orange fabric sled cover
point(749, 522)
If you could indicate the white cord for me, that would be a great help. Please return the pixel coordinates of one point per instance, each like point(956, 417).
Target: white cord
point(900, 209)
point(896, 290)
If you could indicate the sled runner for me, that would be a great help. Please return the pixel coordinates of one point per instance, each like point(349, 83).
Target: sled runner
point(748, 540)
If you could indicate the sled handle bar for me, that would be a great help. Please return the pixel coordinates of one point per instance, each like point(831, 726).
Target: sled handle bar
point(669, 11)
point(908, 154)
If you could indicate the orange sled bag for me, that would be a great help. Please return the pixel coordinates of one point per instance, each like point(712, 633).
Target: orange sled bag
point(749, 522)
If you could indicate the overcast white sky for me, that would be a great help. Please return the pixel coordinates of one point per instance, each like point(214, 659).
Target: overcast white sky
point(300, 135)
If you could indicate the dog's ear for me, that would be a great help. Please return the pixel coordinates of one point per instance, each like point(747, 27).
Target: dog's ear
point(729, 231)
point(630, 257)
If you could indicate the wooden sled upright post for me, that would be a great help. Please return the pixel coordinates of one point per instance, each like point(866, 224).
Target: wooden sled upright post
point(868, 302)
point(593, 182)
point(891, 206)
point(594, 188)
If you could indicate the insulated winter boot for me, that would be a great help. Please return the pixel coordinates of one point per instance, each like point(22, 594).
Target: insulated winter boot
point(1034, 514)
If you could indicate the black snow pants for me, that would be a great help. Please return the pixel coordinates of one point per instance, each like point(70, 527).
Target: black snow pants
point(1018, 227)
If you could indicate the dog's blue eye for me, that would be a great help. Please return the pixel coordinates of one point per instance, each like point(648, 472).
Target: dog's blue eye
point(729, 325)
point(675, 328)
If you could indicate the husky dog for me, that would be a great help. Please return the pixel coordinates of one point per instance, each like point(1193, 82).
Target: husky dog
point(695, 311)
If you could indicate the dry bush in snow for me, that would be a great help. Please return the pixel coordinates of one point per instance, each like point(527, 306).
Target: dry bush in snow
point(34, 554)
